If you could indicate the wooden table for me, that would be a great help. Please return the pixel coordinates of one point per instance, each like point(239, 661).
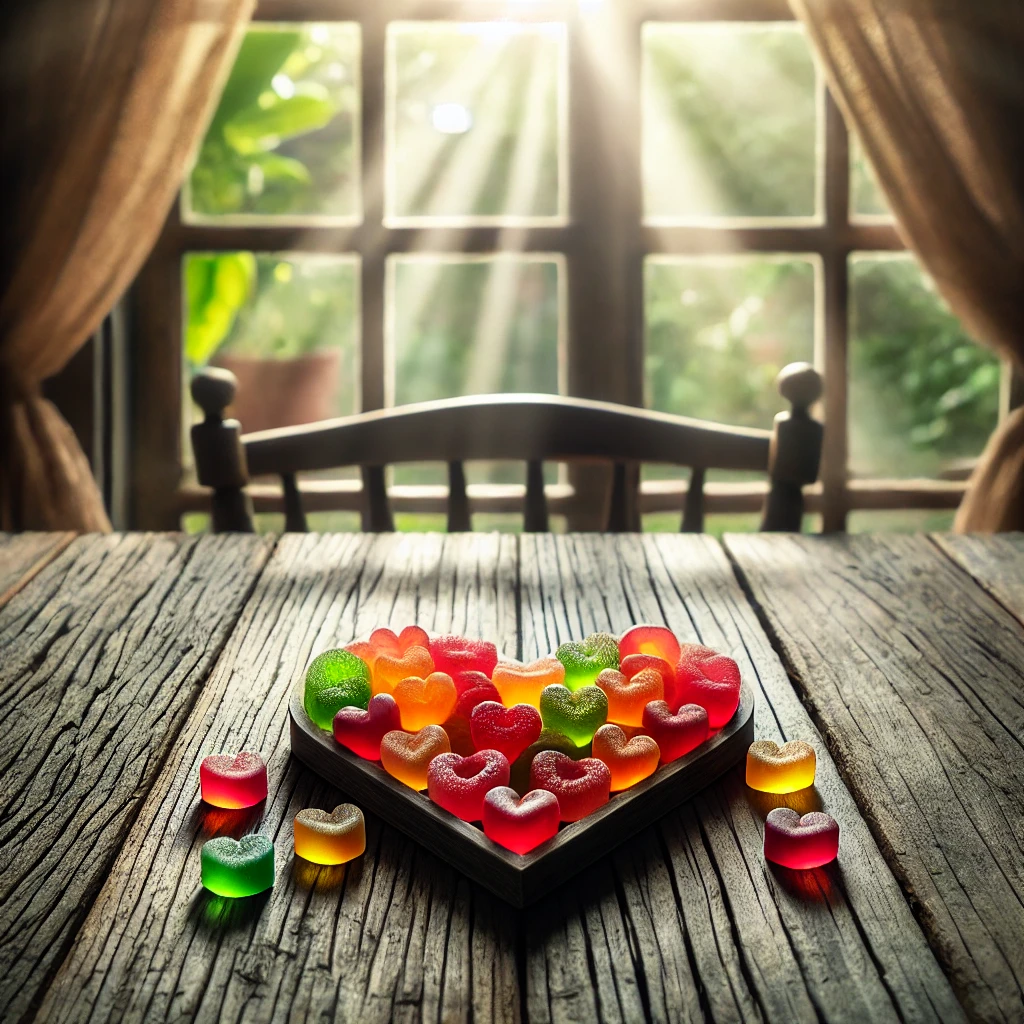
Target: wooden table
point(126, 659)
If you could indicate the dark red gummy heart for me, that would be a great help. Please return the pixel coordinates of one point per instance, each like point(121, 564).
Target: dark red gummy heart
point(520, 825)
point(710, 679)
point(510, 730)
point(477, 695)
point(469, 680)
point(580, 786)
point(361, 731)
point(455, 654)
point(459, 784)
point(676, 734)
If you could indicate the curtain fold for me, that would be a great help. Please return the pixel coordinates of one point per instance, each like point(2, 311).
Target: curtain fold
point(104, 102)
point(935, 91)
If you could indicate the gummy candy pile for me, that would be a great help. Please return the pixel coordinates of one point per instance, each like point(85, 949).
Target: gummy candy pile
point(521, 748)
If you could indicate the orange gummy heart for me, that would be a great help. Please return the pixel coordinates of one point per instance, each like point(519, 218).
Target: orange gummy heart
point(406, 756)
point(520, 683)
point(390, 669)
point(627, 697)
point(630, 760)
point(385, 641)
point(425, 701)
point(785, 769)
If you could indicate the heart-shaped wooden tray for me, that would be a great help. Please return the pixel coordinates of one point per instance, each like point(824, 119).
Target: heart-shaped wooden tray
point(520, 879)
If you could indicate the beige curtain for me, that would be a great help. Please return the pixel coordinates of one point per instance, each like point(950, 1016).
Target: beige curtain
point(103, 103)
point(935, 91)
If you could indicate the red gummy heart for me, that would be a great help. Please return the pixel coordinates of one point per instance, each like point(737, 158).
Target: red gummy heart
point(477, 695)
point(469, 680)
point(580, 786)
point(796, 842)
point(520, 825)
point(510, 730)
point(233, 780)
point(631, 664)
point(676, 734)
point(361, 731)
point(459, 784)
point(654, 640)
point(455, 654)
point(710, 679)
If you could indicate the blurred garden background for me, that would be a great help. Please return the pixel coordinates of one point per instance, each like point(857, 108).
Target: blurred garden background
point(475, 130)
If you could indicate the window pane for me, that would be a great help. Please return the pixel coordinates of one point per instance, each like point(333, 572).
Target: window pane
point(475, 121)
point(284, 142)
point(900, 521)
point(286, 325)
point(731, 122)
point(866, 198)
point(922, 393)
point(719, 329)
point(463, 325)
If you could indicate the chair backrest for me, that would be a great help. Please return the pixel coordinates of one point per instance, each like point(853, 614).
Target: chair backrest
point(530, 428)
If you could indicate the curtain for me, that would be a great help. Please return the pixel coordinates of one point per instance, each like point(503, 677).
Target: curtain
point(935, 91)
point(103, 102)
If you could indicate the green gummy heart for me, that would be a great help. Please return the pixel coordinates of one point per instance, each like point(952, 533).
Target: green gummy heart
point(548, 740)
point(576, 714)
point(241, 867)
point(335, 680)
point(584, 661)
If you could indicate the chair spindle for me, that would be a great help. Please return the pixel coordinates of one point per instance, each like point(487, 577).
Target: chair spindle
point(459, 520)
point(693, 509)
point(535, 513)
point(294, 516)
point(377, 516)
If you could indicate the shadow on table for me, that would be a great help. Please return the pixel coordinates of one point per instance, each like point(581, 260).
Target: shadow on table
point(322, 878)
point(219, 915)
point(207, 821)
point(803, 801)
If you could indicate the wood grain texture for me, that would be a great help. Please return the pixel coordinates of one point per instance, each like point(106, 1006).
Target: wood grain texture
point(395, 935)
point(914, 675)
point(996, 561)
point(687, 922)
point(103, 656)
point(23, 555)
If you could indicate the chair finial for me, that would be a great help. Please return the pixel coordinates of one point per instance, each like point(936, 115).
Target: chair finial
point(800, 384)
point(214, 390)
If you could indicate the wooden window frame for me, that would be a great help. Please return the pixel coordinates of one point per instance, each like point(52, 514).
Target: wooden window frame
point(603, 245)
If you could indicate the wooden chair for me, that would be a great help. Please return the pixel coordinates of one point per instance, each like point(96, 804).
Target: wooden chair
point(521, 427)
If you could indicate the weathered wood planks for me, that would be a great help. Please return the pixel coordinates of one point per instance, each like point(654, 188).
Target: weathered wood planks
point(396, 935)
point(103, 656)
point(687, 921)
point(22, 555)
point(996, 561)
point(914, 675)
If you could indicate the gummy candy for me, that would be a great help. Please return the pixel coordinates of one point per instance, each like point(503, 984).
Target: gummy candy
point(800, 842)
point(333, 838)
point(390, 669)
point(631, 664)
point(384, 641)
point(521, 684)
point(510, 730)
point(242, 867)
point(520, 825)
point(629, 761)
point(335, 679)
point(654, 640)
point(454, 654)
point(581, 786)
point(469, 679)
point(459, 784)
point(676, 734)
point(460, 739)
point(469, 699)
point(785, 769)
point(405, 756)
point(710, 679)
point(519, 778)
point(576, 715)
point(233, 780)
point(425, 701)
point(627, 697)
point(583, 661)
point(361, 731)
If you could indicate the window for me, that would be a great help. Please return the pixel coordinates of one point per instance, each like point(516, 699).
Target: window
point(651, 202)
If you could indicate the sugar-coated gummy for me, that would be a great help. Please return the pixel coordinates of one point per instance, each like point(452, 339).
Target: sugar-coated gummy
point(628, 696)
point(391, 669)
point(454, 654)
point(580, 786)
point(510, 730)
point(361, 731)
point(654, 640)
point(522, 683)
point(710, 679)
point(335, 679)
point(584, 660)
point(548, 739)
point(242, 867)
point(577, 715)
point(233, 780)
point(629, 760)
point(405, 756)
point(785, 769)
point(459, 784)
point(800, 842)
point(520, 825)
point(425, 701)
point(330, 838)
point(676, 734)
